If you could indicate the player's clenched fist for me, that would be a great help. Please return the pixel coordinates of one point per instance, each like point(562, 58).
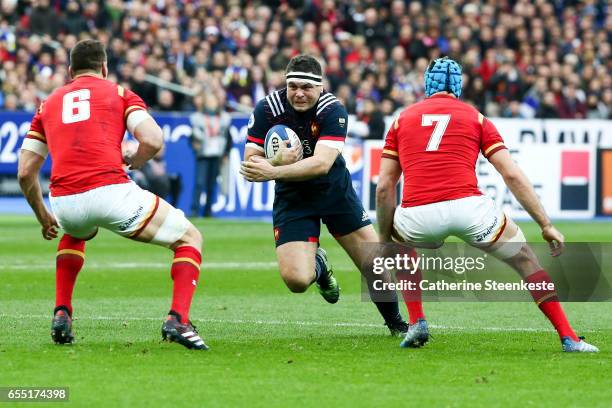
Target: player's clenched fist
point(555, 239)
point(49, 226)
point(257, 169)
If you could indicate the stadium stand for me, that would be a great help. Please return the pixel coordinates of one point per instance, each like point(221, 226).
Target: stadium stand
point(548, 59)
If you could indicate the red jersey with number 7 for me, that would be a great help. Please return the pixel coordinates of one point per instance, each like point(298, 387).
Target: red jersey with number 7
point(83, 124)
point(437, 142)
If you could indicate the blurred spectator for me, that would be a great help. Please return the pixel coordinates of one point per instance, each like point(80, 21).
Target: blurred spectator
point(165, 100)
point(374, 119)
point(259, 89)
point(513, 110)
point(571, 107)
point(548, 107)
point(146, 90)
point(11, 103)
point(73, 21)
point(211, 143)
point(43, 19)
point(600, 109)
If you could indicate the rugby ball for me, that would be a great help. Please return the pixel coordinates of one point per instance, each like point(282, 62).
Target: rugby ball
point(275, 137)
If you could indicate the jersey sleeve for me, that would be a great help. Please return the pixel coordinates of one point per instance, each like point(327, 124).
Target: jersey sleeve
point(35, 140)
point(134, 110)
point(258, 127)
point(491, 141)
point(390, 151)
point(333, 128)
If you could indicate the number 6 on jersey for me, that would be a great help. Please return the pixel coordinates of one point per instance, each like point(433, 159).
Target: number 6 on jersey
point(441, 124)
point(75, 106)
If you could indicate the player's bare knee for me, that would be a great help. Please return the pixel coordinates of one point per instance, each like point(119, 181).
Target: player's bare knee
point(297, 284)
point(296, 279)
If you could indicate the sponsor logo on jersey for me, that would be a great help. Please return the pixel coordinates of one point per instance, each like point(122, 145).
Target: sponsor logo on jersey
point(342, 122)
point(314, 129)
point(480, 237)
point(276, 233)
point(306, 146)
point(251, 121)
point(126, 224)
point(364, 216)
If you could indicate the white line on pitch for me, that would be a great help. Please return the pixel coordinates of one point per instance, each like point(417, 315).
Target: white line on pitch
point(294, 322)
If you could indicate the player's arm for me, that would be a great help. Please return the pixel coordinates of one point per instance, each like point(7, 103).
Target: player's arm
point(150, 141)
point(386, 197)
point(144, 129)
point(522, 189)
point(256, 132)
point(250, 152)
point(260, 169)
point(312, 167)
point(29, 167)
point(389, 174)
point(493, 148)
point(34, 151)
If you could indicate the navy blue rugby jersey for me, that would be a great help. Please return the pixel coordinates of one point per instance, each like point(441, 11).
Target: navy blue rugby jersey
point(325, 123)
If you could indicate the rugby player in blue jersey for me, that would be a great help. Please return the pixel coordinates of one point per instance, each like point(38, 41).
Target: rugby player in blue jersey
point(312, 185)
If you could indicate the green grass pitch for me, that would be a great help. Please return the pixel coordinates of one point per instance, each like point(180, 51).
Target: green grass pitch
point(273, 348)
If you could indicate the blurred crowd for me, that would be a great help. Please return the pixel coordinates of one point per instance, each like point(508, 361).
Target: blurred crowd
point(543, 59)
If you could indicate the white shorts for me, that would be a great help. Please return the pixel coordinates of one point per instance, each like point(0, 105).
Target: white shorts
point(124, 209)
point(476, 220)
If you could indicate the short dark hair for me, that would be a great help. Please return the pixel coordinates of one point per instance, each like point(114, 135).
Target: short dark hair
point(87, 55)
point(304, 63)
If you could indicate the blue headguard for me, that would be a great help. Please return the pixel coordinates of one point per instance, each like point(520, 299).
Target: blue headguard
point(443, 74)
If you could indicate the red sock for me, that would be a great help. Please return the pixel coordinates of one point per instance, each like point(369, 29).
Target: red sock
point(412, 298)
point(548, 302)
point(69, 261)
point(185, 273)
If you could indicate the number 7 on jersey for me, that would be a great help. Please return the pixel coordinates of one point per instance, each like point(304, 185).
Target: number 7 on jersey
point(441, 122)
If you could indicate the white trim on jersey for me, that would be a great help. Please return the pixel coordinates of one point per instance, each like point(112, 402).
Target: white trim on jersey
point(271, 105)
point(135, 118)
point(275, 103)
point(334, 144)
point(255, 146)
point(325, 101)
point(276, 96)
point(35, 146)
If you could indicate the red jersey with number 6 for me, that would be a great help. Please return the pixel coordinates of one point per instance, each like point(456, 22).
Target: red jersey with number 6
point(83, 124)
point(437, 142)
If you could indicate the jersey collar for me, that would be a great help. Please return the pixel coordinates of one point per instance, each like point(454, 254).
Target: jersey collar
point(442, 96)
point(86, 76)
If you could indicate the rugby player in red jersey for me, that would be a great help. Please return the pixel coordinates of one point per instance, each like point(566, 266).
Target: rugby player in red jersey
point(435, 144)
point(81, 125)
